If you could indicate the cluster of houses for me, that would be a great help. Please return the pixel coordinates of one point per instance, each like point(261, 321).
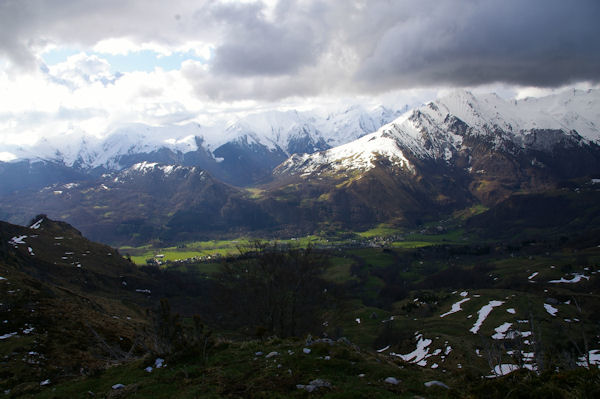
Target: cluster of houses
point(159, 260)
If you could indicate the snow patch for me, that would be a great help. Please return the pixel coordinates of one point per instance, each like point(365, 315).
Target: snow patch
point(550, 309)
point(501, 331)
point(576, 278)
point(37, 224)
point(419, 355)
point(483, 314)
point(6, 336)
point(15, 241)
point(504, 369)
point(532, 275)
point(594, 359)
point(455, 307)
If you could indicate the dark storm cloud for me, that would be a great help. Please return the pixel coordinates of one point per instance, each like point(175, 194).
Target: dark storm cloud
point(535, 42)
point(312, 47)
point(256, 44)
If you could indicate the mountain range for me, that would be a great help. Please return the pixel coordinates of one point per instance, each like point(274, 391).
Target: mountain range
point(287, 173)
point(239, 151)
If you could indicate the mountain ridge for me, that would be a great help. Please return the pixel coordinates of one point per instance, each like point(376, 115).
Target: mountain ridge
point(425, 164)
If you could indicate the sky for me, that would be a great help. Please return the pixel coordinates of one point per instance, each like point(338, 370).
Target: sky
point(89, 66)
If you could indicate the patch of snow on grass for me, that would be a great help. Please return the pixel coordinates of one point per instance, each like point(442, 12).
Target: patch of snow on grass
point(15, 241)
point(6, 336)
point(455, 307)
point(594, 359)
point(550, 309)
point(501, 331)
point(419, 354)
point(30, 251)
point(576, 278)
point(511, 311)
point(532, 275)
point(483, 314)
point(37, 224)
point(28, 330)
point(383, 349)
point(504, 369)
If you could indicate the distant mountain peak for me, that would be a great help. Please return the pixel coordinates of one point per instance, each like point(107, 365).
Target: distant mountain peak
point(440, 129)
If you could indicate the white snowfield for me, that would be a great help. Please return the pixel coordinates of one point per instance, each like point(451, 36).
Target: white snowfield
point(483, 314)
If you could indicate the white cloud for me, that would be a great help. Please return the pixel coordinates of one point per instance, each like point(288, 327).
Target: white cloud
point(259, 54)
point(7, 156)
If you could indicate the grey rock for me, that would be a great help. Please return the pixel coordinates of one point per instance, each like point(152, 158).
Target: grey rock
point(319, 383)
point(434, 383)
point(392, 380)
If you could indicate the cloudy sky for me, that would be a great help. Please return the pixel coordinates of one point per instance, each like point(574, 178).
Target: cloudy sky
point(89, 66)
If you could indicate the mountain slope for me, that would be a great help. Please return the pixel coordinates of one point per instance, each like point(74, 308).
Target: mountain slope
point(458, 151)
point(69, 305)
point(146, 201)
point(496, 147)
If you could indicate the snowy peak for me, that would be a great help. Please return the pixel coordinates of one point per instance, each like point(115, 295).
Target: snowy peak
point(360, 154)
point(286, 132)
point(157, 171)
point(568, 111)
point(440, 130)
point(91, 152)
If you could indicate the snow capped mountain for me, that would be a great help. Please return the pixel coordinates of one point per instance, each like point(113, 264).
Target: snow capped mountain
point(439, 131)
point(91, 152)
point(357, 155)
point(156, 170)
point(285, 132)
